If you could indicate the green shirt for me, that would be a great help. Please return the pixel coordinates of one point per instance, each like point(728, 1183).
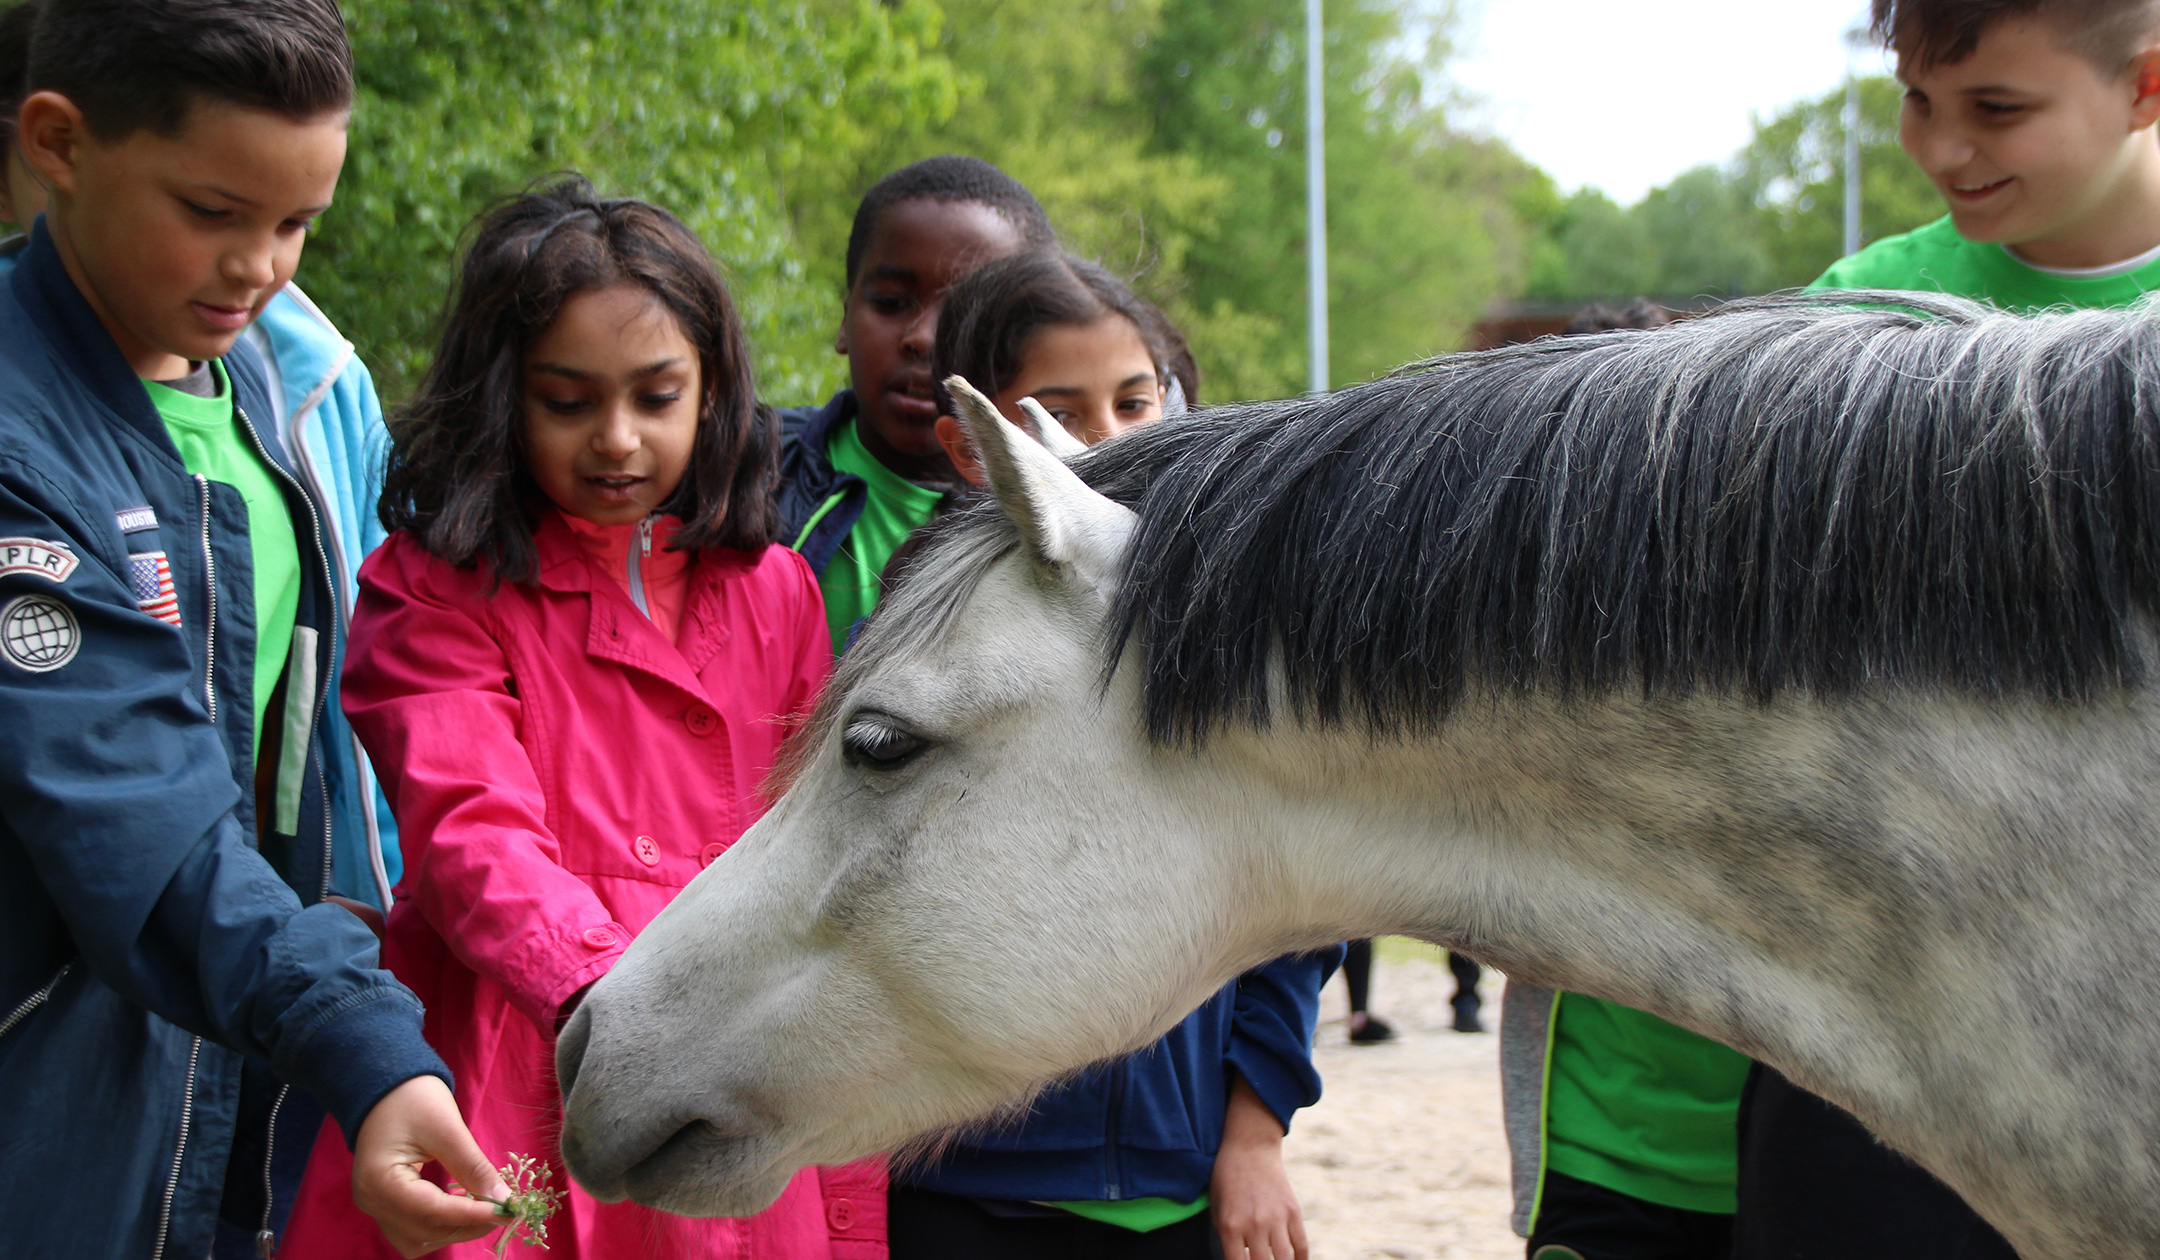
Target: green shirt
point(1641, 1106)
point(1138, 1215)
point(894, 508)
point(1935, 258)
point(212, 445)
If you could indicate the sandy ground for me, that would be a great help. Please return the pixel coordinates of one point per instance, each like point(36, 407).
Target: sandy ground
point(1404, 1157)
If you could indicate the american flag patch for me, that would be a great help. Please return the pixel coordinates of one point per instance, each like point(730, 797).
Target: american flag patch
point(151, 577)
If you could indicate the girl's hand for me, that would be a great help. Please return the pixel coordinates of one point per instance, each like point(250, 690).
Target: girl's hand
point(414, 1123)
point(1256, 1211)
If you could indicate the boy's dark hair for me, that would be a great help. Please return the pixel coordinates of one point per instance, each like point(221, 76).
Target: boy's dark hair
point(134, 65)
point(15, 25)
point(1598, 317)
point(948, 178)
point(989, 315)
point(457, 476)
point(1930, 33)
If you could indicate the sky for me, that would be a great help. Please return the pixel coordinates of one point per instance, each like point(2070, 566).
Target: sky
point(1625, 94)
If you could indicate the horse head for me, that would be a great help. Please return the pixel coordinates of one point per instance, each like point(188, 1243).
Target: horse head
point(981, 876)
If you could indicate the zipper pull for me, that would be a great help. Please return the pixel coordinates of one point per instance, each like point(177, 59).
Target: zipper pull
point(644, 536)
point(265, 1244)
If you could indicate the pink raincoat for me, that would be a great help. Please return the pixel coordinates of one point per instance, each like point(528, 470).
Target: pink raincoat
point(560, 770)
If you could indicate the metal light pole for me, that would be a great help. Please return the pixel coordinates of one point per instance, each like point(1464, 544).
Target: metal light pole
point(1854, 39)
point(1316, 293)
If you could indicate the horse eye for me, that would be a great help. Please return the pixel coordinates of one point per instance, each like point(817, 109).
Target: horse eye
point(876, 746)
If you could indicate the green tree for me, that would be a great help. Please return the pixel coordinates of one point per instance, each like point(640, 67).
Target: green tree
point(708, 109)
point(1793, 170)
point(1420, 233)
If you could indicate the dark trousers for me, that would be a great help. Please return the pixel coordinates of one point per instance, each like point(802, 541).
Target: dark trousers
point(1357, 972)
point(1816, 1185)
point(1600, 1224)
point(926, 1225)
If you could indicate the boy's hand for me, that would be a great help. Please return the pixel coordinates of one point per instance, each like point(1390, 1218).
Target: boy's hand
point(1256, 1211)
point(414, 1123)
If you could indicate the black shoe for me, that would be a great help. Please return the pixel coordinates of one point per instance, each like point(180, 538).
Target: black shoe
point(1466, 1018)
point(1372, 1032)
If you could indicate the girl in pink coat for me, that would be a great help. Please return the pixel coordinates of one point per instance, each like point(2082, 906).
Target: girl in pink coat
point(572, 664)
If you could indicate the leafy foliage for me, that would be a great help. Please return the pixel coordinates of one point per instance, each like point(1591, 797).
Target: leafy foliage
point(709, 109)
point(1166, 140)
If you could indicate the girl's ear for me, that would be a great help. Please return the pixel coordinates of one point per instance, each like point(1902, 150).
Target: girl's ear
point(959, 450)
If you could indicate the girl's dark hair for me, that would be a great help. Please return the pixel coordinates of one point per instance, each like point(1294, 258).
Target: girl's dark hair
point(989, 315)
point(457, 476)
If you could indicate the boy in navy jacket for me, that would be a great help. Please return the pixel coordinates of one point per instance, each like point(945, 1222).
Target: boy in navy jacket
point(167, 642)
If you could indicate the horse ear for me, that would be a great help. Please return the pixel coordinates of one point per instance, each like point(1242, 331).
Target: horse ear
point(1050, 433)
point(1063, 520)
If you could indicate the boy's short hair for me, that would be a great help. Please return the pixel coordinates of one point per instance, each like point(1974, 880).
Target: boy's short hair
point(1930, 33)
point(950, 177)
point(134, 65)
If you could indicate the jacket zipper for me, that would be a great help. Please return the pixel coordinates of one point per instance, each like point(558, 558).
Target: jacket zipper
point(637, 567)
point(23, 1008)
point(172, 1184)
point(322, 558)
point(209, 683)
point(1110, 1133)
point(265, 1239)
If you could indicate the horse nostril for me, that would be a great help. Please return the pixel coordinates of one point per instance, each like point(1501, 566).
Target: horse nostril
point(570, 1049)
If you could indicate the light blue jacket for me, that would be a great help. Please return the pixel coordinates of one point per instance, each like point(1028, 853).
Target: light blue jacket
point(331, 422)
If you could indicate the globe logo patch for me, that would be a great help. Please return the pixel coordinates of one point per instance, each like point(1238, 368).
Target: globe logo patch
point(38, 633)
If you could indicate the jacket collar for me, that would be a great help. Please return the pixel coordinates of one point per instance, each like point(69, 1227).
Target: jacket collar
point(615, 630)
point(61, 314)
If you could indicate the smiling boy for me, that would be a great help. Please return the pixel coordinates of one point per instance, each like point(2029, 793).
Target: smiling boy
point(2035, 120)
point(865, 470)
point(171, 977)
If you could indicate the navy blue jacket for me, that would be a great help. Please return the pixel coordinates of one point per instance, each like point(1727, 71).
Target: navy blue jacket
point(148, 950)
point(819, 504)
point(1149, 1124)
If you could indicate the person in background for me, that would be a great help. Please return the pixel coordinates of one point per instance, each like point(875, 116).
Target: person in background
point(864, 471)
point(1174, 1151)
point(174, 978)
point(2035, 120)
point(1620, 1125)
point(575, 660)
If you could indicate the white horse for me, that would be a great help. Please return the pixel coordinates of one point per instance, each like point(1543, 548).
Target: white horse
point(1784, 674)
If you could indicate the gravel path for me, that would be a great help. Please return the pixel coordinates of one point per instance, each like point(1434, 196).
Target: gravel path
point(1404, 1157)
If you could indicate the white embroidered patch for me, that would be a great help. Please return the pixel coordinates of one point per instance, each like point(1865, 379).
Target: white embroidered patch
point(135, 520)
point(49, 560)
point(38, 633)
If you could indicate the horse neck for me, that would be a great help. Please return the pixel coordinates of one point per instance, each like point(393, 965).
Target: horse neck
point(1825, 886)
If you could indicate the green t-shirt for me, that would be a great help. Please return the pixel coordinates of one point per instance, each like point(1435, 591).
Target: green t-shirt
point(1138, 1215)
point(894, 508)
point(1641, 1106)
point(212, 445)
point(1936, 259)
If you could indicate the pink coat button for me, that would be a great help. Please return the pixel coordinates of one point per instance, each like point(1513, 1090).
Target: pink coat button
point(647, 850)
point(840, 1214)
point(701, 720)
point(600, 938)
point(709, 852)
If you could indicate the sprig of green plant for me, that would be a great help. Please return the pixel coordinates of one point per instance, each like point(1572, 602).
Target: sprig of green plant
point(530, 1204)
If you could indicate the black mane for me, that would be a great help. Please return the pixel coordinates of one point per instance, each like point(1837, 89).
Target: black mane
point(1790, 495)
